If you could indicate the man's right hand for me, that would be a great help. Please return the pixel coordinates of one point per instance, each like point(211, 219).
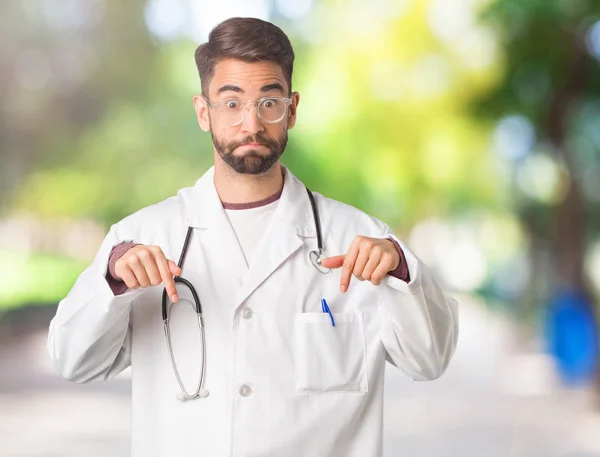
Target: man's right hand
point(145, 266)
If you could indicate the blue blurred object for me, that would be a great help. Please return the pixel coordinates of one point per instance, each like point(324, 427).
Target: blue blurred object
point(572, 336)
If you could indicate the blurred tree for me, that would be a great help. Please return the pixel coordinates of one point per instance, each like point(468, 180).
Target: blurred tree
point(552, 82)
point(388, 120)
point(61, 68)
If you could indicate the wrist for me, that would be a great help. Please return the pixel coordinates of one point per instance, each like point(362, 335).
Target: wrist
point(115, 255)
point(398, 256)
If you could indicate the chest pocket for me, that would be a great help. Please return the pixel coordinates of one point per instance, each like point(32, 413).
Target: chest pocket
point(330, 358)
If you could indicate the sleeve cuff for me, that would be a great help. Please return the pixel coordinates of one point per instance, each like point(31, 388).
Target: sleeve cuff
point(401, 272)
point(413, 283)
point(117, 286)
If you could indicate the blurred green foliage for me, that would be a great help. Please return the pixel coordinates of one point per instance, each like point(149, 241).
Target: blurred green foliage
point(36, 278)
point(551, 81)
point(395, 112)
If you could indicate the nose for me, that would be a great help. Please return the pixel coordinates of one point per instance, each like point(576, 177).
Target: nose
point(252, 124)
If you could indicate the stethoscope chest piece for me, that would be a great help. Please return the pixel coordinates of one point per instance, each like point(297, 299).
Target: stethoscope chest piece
point(315, 259)
point(203, 393)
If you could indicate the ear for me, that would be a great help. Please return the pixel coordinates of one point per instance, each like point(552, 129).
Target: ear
point(293, 109)
point(201, 109)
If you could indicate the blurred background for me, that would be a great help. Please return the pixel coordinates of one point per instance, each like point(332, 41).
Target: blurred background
point(472, 127)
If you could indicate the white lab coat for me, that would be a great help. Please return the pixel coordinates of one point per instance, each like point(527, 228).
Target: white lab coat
point(282, 381)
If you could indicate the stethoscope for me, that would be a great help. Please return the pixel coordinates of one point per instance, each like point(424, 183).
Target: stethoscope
point(314, 257)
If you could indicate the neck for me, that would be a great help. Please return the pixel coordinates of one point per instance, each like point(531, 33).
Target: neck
point(233, 187)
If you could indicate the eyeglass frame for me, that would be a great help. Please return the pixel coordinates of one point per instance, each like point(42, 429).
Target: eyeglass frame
point(287, 101)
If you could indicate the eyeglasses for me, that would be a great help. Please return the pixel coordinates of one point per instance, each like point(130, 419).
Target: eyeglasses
point(233, 112)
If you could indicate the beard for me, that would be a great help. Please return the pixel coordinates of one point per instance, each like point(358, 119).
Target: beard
point(252, 162)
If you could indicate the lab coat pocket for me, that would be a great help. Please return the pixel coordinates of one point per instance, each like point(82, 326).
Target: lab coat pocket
point(330, 358)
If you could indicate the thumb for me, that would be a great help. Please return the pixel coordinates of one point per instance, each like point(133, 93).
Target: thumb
point(175, 270)
point(333, 262)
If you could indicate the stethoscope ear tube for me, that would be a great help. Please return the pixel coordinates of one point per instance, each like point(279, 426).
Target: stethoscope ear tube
point(315, 256)
point(199, 391)
point(313, 206)
point(198, 309)
point(197, 304)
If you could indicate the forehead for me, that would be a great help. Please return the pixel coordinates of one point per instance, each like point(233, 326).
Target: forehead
point(248, 76)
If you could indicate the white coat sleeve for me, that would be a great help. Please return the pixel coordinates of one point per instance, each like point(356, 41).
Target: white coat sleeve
point(90, 337)
point(421, 321)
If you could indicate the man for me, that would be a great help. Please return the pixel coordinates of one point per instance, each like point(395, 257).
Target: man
point(293, 360)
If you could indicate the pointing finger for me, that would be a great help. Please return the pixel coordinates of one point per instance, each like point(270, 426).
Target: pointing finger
point(167, 276)
point(349, 260)
point(333, 262)
point(175, 270)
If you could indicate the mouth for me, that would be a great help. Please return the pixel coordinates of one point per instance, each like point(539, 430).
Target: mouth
point(252, 145)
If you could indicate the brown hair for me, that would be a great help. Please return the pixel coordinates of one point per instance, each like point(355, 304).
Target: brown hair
point(248, 39)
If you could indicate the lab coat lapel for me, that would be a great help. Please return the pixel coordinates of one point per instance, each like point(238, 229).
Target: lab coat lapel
point(205, 211)
point(290, 223)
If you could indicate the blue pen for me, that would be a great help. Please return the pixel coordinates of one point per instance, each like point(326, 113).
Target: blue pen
point(326, 309)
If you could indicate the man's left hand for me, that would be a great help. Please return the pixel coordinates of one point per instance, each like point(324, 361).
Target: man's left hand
point(368, 259)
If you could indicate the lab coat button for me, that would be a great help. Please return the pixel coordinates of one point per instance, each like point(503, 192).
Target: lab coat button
point(245, 391)
point(246, 313)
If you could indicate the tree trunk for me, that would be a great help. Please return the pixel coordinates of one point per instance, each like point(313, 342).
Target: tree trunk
point(569, 235)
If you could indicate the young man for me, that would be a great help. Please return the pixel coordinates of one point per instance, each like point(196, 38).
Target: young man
point(290, 360)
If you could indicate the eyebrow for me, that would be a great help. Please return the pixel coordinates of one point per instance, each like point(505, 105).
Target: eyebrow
point(239, 90)
point(272, 86)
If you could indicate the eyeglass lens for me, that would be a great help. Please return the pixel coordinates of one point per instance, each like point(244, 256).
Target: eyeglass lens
point(269, 109)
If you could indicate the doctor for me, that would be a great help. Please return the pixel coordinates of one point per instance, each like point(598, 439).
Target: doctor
point(283, 374)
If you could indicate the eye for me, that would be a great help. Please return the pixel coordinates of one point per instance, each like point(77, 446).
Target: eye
point(232, 104)
point(271, 103)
